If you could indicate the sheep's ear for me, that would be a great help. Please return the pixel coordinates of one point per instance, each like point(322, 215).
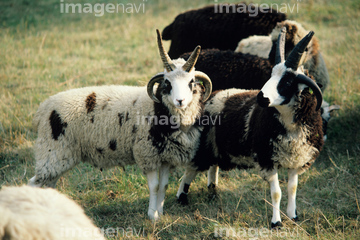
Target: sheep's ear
point(300, 78)
point(206, 82)
point(158, 78)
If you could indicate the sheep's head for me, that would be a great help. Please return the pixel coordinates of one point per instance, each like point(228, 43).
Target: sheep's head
point(287, 78)
point(179, 81)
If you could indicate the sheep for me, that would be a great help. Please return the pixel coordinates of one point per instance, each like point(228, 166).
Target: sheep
point(265, 47)
point(277, 126)
point(228, 69)
point(41, 214)
point(217, 26)
point(109, 126)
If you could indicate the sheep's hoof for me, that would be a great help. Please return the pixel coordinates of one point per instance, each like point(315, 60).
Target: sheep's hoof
point(212, 192)
point(278, 224)
point(296, 218)
point(183, 199)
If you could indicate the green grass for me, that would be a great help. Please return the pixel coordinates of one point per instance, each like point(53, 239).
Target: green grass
point(43, 52)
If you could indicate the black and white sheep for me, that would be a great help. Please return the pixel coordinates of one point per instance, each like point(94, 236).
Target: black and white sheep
point(278, 126)
point(217, 26)
point(247, 69)
point(42, 214)
point(109, 126)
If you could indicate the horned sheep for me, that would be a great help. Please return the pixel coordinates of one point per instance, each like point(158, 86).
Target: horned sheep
point(265, 47)
point(228, 69)
point(41, 214)
point(217, 26)
point(109, 126)
point(278, 126)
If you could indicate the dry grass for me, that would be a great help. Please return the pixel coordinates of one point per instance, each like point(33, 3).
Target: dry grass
point(44, 52)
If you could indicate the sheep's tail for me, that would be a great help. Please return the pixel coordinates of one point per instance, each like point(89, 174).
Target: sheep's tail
point(168, 32)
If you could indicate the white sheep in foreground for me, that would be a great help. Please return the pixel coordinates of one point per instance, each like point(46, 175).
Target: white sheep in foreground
point(43, 214)
point(111, 126)
point(278, 126)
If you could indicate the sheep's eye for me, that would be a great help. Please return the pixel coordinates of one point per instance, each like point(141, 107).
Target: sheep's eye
point(192, 84)
point(167, 87)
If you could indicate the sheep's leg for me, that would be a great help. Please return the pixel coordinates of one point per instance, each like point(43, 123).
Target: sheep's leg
point(153, 183)
point(275, 198)
point(163, 184)
point(182, 193)
point(292, 186)
point(213, 176)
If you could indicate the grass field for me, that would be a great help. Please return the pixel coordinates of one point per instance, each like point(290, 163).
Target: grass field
point(43, 52)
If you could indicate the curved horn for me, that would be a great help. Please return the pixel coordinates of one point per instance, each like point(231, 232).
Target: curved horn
point(311, 84)
point(190, 63)
point(206, 83)
point(158, 78)
point(280, 47)
point(168, 64)
point(293, 60)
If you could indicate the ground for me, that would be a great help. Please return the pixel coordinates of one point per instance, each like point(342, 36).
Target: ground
point(44, 51)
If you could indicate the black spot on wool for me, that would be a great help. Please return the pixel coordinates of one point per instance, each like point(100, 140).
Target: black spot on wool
point(112, 144)
point(100, 150)
point(121, 117)
point(57, 126)
point(90, 102)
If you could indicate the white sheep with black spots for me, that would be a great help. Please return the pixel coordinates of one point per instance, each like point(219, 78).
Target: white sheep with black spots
point(109, 126)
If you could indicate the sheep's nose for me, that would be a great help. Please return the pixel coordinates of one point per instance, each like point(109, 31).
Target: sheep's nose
point(262, 101)
point(180, 101)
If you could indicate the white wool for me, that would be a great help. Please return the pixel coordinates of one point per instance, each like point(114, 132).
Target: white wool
point(43, 214)
point(255, 45)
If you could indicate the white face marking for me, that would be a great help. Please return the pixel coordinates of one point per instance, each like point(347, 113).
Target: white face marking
point(181, 94)
point(270, 90)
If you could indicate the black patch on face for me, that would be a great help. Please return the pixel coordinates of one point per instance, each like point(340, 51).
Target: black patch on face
point(92, 119)
point(134, 102)
point(100, 150)
point(121, 117)
point(90, 102)
point(287, 87)
point(57, 126)
point(127, 116)
point(112, 144)
point(166, 87)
